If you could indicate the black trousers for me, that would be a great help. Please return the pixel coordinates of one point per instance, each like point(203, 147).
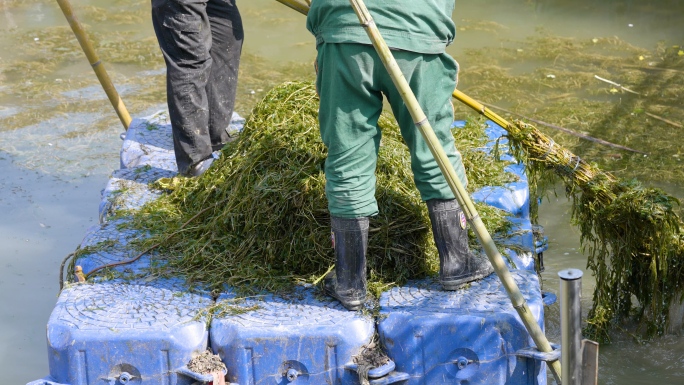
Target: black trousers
point(201, 41)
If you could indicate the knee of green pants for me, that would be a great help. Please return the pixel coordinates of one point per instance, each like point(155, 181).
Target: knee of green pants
point(436, 187)
point(350, 181)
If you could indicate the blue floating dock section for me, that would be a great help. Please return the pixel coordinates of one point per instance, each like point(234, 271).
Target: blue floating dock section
point(145, 330)
point(468, 336)
point(525, 242)
point(298, 339)
point(122, 333)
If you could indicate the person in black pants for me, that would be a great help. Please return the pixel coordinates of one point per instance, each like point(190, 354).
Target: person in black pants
point(201, 41)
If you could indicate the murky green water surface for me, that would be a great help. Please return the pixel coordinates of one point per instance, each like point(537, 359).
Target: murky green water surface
point(59, 138)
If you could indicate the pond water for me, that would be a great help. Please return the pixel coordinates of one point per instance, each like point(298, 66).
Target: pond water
point(59, 138)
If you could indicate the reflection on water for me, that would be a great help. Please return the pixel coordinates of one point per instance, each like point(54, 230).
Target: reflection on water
point(55, 121)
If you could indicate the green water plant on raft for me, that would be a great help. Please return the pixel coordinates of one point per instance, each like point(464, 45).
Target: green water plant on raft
point(258, 218)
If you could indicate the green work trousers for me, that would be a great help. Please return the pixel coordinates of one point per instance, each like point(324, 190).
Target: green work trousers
point(351, 82)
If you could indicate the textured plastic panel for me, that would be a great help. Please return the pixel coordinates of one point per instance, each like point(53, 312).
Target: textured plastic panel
point(149, 142)
point(108, 243)
point(462, 337)
point(141, 333)
point(311, 338)
point(516, 259)
point(513, 198)
point(129, 189)
point(520, 236)
point(45, 381)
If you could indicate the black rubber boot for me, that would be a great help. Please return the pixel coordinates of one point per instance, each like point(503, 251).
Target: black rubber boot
point(457, 264)
point(347, 282)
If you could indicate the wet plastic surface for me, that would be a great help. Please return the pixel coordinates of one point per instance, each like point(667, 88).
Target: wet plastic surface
point(295, 339)
point(467, 336)
point(125, 332)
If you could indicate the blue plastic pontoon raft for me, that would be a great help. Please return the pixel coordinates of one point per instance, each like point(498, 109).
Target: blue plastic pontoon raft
point(146, 331)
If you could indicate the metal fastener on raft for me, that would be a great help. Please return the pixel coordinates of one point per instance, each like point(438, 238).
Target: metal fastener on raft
point(462, 362)
point(383, 375)
point(291, 374)
point(125, 377)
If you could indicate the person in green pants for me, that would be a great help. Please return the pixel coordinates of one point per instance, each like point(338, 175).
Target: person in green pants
point(351, 82)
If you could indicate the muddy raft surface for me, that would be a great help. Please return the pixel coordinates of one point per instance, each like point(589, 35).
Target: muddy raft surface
point(207, 363)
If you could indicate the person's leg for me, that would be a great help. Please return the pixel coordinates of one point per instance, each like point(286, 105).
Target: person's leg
point(433, 79)
point(227, 37)
point(183, 32)
point(349, 110)
point(350, 106)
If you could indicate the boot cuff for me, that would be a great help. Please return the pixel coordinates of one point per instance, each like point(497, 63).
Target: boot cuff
point(349, 224)
point(442, 205)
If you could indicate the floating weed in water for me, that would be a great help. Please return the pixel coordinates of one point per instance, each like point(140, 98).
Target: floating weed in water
point(257, 76)
point(258, 218)
point(516, 73)
point(631, 232)
point(633, 235)
point(116, 17)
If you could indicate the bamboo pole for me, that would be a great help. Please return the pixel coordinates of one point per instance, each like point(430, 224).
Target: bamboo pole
point(296, 5)
point(421, 121)
point(95, 62)
point(566, 130)
point(542, 148)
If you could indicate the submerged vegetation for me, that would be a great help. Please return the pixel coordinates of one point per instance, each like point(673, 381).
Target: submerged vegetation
point(259, 215)
point(632, 234)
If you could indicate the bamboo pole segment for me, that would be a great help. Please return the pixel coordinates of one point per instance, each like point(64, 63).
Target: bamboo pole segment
point(95, 62)
point(567, 130)
point(421, 121)
point(542, 148)
point(296, 5)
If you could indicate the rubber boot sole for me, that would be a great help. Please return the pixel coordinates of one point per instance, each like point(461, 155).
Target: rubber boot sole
point(329, 284)
point(460, 283)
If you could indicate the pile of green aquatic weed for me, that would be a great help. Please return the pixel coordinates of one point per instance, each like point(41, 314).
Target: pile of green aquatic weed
point(258, 217)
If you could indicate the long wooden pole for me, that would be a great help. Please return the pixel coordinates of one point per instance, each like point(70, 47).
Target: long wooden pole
point(95, 62)
point(296, 5)
point(421, 121)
